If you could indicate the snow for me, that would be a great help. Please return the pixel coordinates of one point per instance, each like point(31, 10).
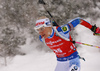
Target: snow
point(46, 61)
point(34, 61)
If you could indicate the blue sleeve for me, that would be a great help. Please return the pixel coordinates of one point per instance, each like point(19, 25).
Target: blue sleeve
point(40, 38)
point(64, 28)
point(74, 22)
point(68, 27)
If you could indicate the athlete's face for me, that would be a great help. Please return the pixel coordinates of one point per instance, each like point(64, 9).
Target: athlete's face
point(45, 31)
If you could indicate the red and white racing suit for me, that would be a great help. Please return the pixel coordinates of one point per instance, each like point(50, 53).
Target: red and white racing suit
point(66, 52)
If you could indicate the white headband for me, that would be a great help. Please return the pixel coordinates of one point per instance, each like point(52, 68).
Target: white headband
point(43, 22)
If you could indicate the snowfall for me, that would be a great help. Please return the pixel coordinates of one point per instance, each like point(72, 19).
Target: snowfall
point(36, 60)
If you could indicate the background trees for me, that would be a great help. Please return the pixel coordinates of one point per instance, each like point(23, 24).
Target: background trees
point(17, 19)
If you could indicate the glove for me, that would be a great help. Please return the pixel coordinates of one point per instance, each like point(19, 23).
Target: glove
point(95, 29)
point(73, 42)
point(98, 30)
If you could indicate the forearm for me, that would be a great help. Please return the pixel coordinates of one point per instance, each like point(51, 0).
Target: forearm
point(73, 23)
point(86, 24)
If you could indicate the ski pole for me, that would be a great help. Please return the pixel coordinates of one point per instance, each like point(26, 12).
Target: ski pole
point(55, 24)
point(96, 34)
point(44, 5)
point(87, 44)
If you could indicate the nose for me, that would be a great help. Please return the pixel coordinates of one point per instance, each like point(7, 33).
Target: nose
point(41, 33)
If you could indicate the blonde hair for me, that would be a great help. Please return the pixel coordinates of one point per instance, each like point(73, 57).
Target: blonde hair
point(42, 17)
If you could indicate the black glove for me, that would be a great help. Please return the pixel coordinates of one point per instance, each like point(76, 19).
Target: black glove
point(96, 30)
point(93, 29)
point(73, 42)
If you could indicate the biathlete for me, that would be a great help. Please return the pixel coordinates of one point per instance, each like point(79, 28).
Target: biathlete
point(66, 52)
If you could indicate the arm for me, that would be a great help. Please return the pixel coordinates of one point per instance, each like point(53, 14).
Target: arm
point(70, 26)
point(73, 23)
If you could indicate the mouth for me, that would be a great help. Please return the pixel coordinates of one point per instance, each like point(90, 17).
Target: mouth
point(43, 35)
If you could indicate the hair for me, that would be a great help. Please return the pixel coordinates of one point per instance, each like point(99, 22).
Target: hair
point(42, 17)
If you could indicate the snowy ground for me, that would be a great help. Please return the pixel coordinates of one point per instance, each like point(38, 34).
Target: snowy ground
point(41, 61)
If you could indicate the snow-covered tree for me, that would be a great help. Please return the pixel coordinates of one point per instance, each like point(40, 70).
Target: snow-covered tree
point(20, 15)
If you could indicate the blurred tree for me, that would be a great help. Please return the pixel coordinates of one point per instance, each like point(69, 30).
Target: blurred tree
point(11, 42)
point(17, 18)
point(65, 10)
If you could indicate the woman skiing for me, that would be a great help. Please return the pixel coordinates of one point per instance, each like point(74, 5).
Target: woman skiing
point(65, 50)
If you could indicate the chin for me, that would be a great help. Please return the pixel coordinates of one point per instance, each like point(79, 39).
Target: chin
point(45, 37)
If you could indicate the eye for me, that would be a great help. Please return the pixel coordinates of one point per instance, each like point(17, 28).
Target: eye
point(42, 29)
